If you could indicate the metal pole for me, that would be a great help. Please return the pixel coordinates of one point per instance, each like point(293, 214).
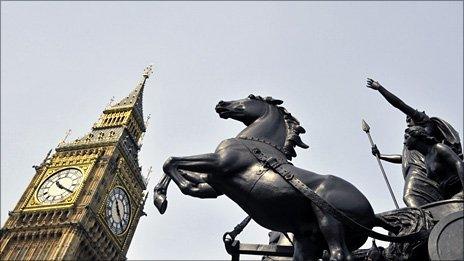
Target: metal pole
point(366, 128)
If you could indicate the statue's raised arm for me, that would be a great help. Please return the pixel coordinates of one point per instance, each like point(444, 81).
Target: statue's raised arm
point(417, 191)
point(415, 115)
point(436, 127)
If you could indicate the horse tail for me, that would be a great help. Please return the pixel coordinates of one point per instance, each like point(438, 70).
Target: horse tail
point(381, 222)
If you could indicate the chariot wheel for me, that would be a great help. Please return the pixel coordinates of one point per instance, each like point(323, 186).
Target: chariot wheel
point(446, 239)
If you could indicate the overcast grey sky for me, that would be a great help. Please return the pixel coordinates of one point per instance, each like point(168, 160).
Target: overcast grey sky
point(61, 62)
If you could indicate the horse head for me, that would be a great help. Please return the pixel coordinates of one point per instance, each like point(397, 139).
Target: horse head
point(276, 125)
point(245, 110)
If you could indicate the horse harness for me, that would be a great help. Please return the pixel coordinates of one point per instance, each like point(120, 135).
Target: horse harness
point(282, 169)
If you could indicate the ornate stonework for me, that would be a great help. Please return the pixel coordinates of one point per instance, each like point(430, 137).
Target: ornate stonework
point(64, 215)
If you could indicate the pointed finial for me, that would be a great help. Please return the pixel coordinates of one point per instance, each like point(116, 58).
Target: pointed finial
point(66, 136)
point(148, 71)
point(46, 157)
point(365, 126)
point(148, 119)
point(111, 102)
point(140, 143)
point(44, 161)
point(146, 74)
point(147, 178)
point(142, 213)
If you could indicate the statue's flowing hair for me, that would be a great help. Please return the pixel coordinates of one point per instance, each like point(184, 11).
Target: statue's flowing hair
point(292, 125)
point(420, 133)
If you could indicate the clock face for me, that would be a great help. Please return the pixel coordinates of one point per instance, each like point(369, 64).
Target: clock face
point(118, 210)
point(59, 186)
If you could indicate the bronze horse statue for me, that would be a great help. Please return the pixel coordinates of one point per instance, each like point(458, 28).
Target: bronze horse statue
point(265, 195)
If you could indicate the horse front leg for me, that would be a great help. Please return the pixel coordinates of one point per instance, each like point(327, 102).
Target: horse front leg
point(202, 190)
point(194, 183)
point(159, 193)
point(190, 174)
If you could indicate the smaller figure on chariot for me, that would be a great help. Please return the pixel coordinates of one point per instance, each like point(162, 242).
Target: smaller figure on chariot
point(418, 189)
point(442, 164)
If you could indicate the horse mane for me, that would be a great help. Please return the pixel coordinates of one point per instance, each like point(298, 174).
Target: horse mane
point(292, 125)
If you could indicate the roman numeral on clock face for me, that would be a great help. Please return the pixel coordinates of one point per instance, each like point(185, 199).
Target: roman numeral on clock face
point(59, 186)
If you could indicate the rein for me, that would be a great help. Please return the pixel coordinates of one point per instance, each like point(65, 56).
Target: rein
point(272, 163)
point(263, 141)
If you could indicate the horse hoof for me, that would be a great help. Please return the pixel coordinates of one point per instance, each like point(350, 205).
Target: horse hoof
point(161, 203)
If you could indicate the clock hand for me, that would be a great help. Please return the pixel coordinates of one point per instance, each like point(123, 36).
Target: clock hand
point(119, 213)
point(117, 210)
point(63, 187)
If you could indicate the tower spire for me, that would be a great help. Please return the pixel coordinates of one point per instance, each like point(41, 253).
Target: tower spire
point(134, 99)
point(70, 186)
point(122, 119)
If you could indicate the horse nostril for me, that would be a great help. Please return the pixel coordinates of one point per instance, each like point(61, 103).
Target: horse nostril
point(222, 103)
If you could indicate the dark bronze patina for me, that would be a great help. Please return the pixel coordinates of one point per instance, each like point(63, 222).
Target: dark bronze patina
point(323, 217)
point(253, 170)
point(418, 189)
point(442, 164)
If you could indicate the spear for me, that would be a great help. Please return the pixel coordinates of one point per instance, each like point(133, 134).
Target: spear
point(366, 128)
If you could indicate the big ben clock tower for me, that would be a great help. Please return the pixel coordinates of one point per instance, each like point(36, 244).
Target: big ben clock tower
point(85, 201)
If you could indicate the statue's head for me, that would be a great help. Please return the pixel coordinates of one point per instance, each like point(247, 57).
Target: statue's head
point(410, 122)
point(245, 110)
point(415, 135)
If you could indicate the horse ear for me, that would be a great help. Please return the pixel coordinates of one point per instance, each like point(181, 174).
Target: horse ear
point(273, 101)
point(300, 129)
point(300, 143)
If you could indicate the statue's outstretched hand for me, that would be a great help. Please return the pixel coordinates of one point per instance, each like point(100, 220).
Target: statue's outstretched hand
point(373, 84)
